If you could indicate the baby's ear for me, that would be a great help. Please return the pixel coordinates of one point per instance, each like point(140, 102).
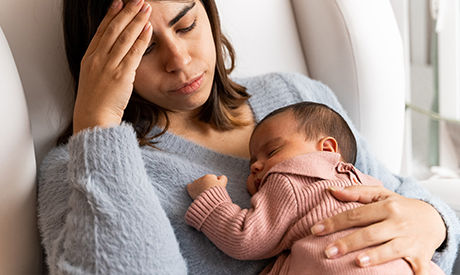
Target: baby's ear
point(328, 144)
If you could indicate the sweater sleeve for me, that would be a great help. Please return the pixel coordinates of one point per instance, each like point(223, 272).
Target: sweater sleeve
point(98, 212)
point(246, 234)
point(314, 90)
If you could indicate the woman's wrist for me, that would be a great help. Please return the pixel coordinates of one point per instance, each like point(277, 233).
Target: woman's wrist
point(442, 228)
point(102, 121)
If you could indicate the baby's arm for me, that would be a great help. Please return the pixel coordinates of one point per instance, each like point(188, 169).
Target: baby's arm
point(246, 234)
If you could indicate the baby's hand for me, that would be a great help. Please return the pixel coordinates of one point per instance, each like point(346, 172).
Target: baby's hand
point(204, 183)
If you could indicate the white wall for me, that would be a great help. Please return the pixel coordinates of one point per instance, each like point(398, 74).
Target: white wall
point(33, 30)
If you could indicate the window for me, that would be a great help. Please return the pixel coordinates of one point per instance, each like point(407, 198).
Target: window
point(434, 105)
point(448, 32)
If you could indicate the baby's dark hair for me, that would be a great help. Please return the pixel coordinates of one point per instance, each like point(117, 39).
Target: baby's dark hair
point(317, 119)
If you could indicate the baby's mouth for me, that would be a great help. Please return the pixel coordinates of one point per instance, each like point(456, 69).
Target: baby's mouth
point(257, 183)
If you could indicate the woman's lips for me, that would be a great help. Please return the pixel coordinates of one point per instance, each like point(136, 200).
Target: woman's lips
point(191, 86)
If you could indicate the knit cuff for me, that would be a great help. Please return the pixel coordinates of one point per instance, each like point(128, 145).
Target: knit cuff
point(96, 144)
point(109, 153)
point(203, 206)
point(445, 254)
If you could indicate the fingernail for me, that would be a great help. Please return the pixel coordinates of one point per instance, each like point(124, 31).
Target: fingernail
point(335, 188)
point(363, 260)
point(136, 1)
point(147, 26)
point(116, 4)
point(317, 228)
point(146, 7)
point(331, 251)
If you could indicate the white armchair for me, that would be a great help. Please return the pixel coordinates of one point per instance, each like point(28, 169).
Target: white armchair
point(352, 46)
point(19, 249)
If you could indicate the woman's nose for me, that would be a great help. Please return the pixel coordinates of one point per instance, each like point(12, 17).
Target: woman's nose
point(177, 57)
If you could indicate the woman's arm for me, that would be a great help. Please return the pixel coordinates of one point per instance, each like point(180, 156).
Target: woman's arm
point(404, 208)
point(246, 234)
point(98, 212)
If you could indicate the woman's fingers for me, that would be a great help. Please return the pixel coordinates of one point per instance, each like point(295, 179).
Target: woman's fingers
point(419, 266)
point(385, 248)
point(361, 216)
point(374, 234)
point(361, 193)
point(133, 32)
point(393, 227)
point(118, 24)
point(396, 249)
point(375, 197)
point(134, 56)
point(111, 13)
point(382, 254)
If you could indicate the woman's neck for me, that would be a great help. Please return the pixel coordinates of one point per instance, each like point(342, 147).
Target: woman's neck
point(183, 123)
point(232, 142)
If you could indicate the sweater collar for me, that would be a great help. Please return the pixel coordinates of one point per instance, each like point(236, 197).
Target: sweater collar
point(323, 165)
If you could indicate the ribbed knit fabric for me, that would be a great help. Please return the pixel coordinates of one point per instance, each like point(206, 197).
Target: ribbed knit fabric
point(292, 197)
point(107, 206)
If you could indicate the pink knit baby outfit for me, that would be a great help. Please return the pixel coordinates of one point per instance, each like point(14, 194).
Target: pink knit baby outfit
point(292, 197)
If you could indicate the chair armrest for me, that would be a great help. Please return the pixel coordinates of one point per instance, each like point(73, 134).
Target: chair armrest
point(19, 240)
point(446, 189)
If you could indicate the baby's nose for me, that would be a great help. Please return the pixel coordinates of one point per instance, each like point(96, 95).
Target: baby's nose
point(256, 167)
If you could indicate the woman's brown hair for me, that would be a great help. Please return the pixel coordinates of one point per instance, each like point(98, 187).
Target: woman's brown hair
point(81, 19)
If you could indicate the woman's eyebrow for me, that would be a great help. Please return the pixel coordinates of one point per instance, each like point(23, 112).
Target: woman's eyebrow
point(181, 14)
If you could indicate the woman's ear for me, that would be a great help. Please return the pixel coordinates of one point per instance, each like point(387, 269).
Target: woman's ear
point(328, 144)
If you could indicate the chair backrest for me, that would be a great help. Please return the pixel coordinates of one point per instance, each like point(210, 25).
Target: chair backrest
point(270, 41)
point(19, 246)
point(355, 47)
point(352, 46)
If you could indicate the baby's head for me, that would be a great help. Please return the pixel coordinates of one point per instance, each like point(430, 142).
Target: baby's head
point(294, 130)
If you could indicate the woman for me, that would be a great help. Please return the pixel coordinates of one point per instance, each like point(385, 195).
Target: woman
point(110, 203)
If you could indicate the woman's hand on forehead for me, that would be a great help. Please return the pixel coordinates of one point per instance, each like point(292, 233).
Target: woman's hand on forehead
point(109, 65)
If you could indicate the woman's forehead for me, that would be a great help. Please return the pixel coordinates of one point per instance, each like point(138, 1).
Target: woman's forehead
point(179, 1)
point(169, 12)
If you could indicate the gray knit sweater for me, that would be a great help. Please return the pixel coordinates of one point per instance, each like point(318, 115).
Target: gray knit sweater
point(107, 206)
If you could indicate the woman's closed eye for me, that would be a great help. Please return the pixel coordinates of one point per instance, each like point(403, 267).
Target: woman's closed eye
point(181, 30)
point(187, 29)
point(149, 48)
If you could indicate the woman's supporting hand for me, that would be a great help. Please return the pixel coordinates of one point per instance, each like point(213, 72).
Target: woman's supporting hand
point(109, 65)
point(399, 227)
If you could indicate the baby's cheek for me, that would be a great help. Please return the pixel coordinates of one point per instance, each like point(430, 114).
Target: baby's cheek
point(250, 185)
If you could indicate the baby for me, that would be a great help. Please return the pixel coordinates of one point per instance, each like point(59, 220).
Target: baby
point(295, 158)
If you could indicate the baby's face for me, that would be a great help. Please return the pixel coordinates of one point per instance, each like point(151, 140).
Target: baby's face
point(275, 140)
